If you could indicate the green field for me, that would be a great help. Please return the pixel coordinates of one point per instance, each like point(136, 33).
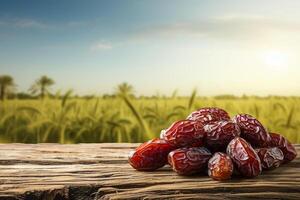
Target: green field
point(117, 119)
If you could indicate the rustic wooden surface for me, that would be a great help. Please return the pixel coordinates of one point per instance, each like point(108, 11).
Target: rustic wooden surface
point(100, 171)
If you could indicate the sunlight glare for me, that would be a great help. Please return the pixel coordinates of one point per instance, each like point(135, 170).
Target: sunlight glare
point(276, 60)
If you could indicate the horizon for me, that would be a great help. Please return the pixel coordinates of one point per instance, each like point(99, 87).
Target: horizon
point(230, 47)
point(157, 94)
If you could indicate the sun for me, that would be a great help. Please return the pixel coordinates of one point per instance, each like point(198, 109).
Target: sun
point(275, 59)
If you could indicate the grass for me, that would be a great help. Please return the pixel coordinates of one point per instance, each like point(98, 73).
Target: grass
point(124, 119)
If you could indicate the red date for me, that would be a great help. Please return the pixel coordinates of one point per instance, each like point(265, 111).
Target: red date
point(244, 157)
point(150, 155)
point(207, 115)
point(184, 133)
point(252, 130)
point(219, 134)
point(220, 166)
point(183, 146)
point(285, 146)
point(270, 157)
point(187, 161)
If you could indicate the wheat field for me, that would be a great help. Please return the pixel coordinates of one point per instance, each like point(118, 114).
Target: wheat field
point(124, 119)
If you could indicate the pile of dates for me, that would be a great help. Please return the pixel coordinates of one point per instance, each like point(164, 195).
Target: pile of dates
point(209, 141)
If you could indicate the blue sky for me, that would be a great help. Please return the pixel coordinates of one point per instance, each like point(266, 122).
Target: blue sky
point(220, 47)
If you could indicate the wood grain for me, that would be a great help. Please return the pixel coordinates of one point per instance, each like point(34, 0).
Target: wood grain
point(100, 171)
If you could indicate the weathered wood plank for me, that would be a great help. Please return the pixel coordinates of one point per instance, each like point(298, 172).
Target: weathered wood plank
point(101, 171)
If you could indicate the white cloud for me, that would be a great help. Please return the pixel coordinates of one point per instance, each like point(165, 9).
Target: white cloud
point(76, 23)
point(102, 45)
point(23, 23)
point(29, 23)
point(234, 16)
point(232, 26)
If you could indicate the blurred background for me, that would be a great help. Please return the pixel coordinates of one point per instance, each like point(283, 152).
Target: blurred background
point(121, 71)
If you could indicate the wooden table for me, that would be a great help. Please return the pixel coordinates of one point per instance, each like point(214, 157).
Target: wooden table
point(101, 171)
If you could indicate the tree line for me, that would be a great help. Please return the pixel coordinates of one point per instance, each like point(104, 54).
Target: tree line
point(40, 88)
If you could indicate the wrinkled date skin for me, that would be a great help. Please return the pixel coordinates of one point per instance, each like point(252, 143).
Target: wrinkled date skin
point(252, 130)
point(284, 145)
point(187, 161)
point(184, 133)
point(219, 134)
point(150, 155)
point(220, 167)
point(244, 157)
point(207, 115)
point(270, 157)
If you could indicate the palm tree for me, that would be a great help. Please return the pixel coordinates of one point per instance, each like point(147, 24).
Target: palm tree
point(41, 85)
point(6, 83)
point(124, 89)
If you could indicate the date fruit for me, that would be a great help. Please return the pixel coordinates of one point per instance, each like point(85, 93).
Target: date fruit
point(285, 146)
point(189, 160)
point(184, 133)
point(220, 166)
point(244, 157)
point(252, 130)
point(209, 114)
point(150, 155)
point(187, 145)
point(270, 157)
point(220, 133)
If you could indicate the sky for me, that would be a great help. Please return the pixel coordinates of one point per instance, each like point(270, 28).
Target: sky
point(219, 47)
